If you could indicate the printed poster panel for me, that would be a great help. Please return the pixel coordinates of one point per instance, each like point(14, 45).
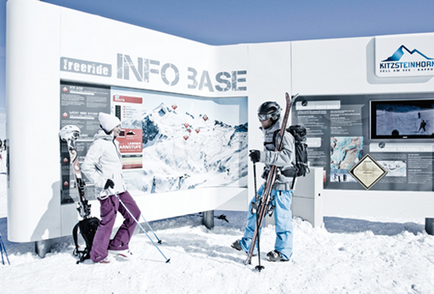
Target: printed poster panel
point(345, 152)
point(187, 142)
point(79, 106)
point(341, 130)
point(130, 146)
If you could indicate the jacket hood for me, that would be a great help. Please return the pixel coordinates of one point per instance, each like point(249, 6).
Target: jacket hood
point(101, 134)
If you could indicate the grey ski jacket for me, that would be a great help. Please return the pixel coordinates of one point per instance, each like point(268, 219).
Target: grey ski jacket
point(283, 159)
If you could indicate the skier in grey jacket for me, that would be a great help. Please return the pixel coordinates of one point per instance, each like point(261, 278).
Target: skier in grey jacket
point(281, 193)
point(103, 165)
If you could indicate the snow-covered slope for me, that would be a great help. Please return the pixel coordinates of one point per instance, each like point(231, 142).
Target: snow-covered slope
point(349, 255)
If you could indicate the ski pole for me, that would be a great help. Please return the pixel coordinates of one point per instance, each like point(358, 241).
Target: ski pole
point(254, 182)
point(159, 241)
point(117, 196)
point(259, 267)
point(3, 248)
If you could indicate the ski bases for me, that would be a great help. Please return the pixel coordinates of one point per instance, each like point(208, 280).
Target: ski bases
point(70, 134)
point(265, 199)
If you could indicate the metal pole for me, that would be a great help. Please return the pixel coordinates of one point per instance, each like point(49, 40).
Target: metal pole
point(429, 225)
point(259, 267)
point(208, 219)
point(117, 196)
point(159, 241)
point(3, 248)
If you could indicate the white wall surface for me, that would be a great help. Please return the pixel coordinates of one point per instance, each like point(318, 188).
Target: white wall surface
point(33, 33)
point(33, 78)
point(346, 66)
point(40, 34)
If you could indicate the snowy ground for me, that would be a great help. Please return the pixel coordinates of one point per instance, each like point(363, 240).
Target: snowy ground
point(349, 255)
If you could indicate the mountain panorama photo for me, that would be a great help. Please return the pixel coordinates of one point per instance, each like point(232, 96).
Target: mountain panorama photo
point(182, 151)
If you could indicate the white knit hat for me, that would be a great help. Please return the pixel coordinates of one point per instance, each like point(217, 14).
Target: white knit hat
point(108, 122)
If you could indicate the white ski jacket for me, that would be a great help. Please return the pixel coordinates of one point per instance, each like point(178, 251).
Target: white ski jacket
point(104, 161)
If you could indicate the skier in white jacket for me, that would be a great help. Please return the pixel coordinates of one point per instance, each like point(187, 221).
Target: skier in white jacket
point(103, 165)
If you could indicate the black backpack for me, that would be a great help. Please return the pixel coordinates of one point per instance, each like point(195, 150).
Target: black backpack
point(301, 167)
point(299, 134)
point(88, 227)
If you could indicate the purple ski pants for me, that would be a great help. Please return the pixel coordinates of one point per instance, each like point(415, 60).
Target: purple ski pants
point(109, 208)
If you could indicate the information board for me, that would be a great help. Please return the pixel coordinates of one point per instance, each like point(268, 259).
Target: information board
point(339, 136)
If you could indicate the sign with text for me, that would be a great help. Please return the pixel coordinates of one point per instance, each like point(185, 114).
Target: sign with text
point(404, 56)
point(368, 172)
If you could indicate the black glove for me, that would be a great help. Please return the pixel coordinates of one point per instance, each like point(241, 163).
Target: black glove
point(109, 183)
point(255, 155)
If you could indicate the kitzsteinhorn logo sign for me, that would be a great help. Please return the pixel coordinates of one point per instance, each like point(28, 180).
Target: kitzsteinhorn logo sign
point(404, 60)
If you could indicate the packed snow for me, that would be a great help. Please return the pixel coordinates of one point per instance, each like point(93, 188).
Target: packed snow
point(347, 255)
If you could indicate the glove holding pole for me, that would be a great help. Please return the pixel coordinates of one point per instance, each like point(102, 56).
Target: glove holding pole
point(109, 184)
point(255, 155)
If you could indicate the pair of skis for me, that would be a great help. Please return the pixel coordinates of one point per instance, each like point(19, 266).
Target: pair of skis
point(70, 134)
point(265, 201)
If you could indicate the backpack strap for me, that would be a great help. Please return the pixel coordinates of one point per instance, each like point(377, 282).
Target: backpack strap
point(81, 254)
point(293, 181)
point(275, 136)
point(75, 236)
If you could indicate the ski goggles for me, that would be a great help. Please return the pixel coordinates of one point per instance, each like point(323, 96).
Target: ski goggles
point(264, 117)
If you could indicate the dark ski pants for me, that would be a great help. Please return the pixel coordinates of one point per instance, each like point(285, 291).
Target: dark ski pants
point(109, 208)
point(283, 223)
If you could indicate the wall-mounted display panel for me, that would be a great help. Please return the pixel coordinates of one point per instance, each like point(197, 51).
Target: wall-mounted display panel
point(403, 119)
point(342, 129)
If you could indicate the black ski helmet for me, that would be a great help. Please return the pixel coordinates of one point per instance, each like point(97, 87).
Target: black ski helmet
point(269, 109)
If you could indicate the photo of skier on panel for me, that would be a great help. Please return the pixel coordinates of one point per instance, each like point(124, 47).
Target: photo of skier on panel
point(281, 193)
point(422, 126)
point(103, 164)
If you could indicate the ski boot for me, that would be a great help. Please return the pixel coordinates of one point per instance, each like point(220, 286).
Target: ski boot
point(274, 256)
point(237, 246)
point(125, 254)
